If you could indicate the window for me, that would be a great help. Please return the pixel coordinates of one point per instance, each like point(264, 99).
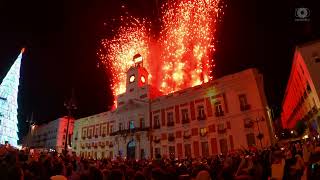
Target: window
point(251, 139)
point(142, 123)
point(185, 114)
point(111, 128)
point(104, 130)
point(201, 113)
point(187, 150)
point(120, 126)
point(218, 108)
point(203, 131)
point(172, 151)
point(243, 100)
point(97, 131)
point(157, 151)
point(205, 149)
point(156, 121)
point(90, 132)
point(131, 124)
point(220, 126)
point(170, 119)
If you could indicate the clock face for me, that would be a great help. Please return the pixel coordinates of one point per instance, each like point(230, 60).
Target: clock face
point(143, 79)
point(131, 79)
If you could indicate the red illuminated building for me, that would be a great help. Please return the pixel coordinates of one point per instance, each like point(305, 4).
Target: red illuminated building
point(301, 99)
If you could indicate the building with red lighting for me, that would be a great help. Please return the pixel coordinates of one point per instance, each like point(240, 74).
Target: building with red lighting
point(301, 99)
point(51, 135)
point(216, 117)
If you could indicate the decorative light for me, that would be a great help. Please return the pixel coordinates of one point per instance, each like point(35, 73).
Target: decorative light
point(143, 79)
point(9, 104)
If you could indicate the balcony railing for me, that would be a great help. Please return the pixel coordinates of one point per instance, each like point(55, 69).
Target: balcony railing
point(185, 121)
point(187, 136)
point(245, 107)
point(156, 126)
point(222, 131)
point(170, 138)
point(219, 113)
point(203, 117)
point(204, 134)
point(248, 124)
point(170, 123)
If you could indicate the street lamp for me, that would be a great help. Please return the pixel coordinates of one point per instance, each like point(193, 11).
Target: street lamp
point(32, 125)
point(70, 105)
point(260, 135)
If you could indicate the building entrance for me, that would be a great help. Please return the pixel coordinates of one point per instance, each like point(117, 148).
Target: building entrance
point(131, 150)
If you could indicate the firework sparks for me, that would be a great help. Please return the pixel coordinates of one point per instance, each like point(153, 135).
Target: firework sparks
point(180, 58)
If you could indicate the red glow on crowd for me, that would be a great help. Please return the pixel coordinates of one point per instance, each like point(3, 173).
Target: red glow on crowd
point(180, 58)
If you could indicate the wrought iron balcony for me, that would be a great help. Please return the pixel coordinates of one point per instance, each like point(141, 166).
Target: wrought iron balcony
point(170, 123)
point(156, 141)
point(219, 113)
point(245, 107)
point(248, 125)
point(203, 117)
point(170, 138)
point(187, 136)
point(156, 126)
point(222, 131)
point(185, 121)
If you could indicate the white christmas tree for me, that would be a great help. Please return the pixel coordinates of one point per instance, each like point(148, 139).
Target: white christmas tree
point(9, 104)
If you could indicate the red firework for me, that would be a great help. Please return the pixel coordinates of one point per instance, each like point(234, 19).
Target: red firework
point(180, 58)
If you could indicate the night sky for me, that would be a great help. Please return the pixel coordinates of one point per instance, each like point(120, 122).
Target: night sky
point(62, 38)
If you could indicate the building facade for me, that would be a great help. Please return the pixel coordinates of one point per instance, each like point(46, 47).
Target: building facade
point(301, 99)
point(215, 117)
point(51, 135)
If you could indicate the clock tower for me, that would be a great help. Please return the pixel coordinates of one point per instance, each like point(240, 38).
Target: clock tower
point(137, 75)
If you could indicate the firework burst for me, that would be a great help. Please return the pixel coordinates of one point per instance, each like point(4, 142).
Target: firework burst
point(180, 58)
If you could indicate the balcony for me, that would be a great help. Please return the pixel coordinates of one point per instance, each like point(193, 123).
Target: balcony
point(185, 121)
point(203, 134)
point(245, 107)
point(156, 141)
point(156, 126)
point(187, 136)
point(201, 118)
point(222, 131)
point(170, 123)
point(110, 145)
point(248, 125)
point(219, 113)
point(170, 138)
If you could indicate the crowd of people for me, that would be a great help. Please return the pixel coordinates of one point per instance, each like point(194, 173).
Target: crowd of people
point(291, 161)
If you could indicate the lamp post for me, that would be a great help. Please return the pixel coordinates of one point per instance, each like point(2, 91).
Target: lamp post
point(69, 105)
point(260, 135)
point(31, 128)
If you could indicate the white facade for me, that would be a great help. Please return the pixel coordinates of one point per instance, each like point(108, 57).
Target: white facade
point(51, 135)
point(212, 118)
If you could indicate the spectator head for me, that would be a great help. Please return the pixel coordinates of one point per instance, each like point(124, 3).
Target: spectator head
point(139, 176)
point(116, 174)
point(157, 174)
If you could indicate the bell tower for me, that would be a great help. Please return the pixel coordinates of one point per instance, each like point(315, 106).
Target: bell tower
point(137, 75)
